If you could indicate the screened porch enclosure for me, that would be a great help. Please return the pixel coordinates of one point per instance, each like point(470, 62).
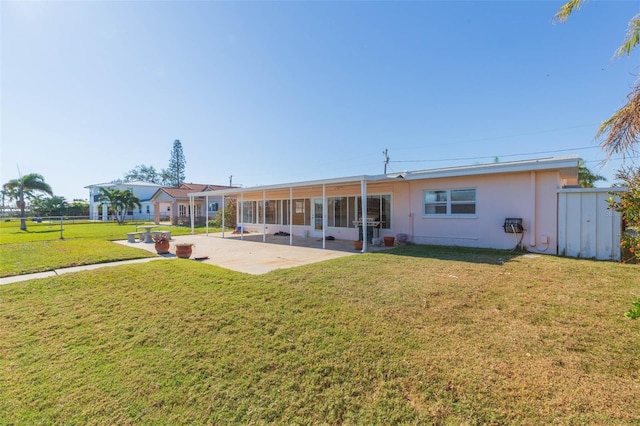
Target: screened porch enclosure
point(342, 212)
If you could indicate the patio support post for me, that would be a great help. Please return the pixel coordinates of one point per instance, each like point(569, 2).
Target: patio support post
point(241, 216)
point(363, 190)
point(222, 215)
point(206, 214)
point(191, 203)
point(324, 215)
point(291, 215)
point(264, 216)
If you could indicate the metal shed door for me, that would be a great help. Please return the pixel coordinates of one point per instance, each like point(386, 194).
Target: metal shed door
point(586, 227)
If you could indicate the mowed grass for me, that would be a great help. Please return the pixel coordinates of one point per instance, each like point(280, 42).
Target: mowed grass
point(41, 249)
point(420, 335)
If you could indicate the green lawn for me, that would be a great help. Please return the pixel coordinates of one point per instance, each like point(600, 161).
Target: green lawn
point(419, 335)
point(41, 249)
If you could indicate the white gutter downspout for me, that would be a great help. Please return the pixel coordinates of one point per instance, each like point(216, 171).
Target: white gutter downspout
point(291, 215)
point(264, 216)
point(363, 190)
point(223, 216)
point(324, 216)
point(532, 225)
point(193, 217)
point(206, 214)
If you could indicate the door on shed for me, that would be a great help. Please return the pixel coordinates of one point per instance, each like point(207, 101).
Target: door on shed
point(586, 227)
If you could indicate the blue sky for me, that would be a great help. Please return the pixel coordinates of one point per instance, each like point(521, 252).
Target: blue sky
point(277, 91)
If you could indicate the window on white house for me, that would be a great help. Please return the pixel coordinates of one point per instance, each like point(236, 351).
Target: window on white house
point(449, 202)
point(213, 207)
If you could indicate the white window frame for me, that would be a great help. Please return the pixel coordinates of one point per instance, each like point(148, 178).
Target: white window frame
point(448, 203)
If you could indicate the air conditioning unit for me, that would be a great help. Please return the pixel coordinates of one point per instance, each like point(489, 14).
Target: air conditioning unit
point(513, 225)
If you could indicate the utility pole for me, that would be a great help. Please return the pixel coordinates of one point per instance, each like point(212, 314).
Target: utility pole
point(231, 180)
point(386, 159)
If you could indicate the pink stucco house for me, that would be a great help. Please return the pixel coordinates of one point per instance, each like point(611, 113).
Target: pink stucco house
point(462, 206)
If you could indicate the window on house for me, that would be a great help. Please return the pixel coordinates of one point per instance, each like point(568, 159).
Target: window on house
point(301, 212)
point(148, 209)
point(343, 211)
point(247, 212)
point(272, 212)
point(213, 207)
point(449, 202)
point(182, 210)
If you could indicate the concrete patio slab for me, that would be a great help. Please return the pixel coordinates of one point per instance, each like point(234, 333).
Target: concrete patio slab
point(253, 256)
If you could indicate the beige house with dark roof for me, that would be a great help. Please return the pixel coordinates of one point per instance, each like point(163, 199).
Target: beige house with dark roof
point(172, 204)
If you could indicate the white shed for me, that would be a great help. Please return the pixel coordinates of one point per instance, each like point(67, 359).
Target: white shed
point(587, 228)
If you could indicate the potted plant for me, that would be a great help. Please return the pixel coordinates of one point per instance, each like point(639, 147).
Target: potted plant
point(357, 245)
point(162, 243)
point(184, 250)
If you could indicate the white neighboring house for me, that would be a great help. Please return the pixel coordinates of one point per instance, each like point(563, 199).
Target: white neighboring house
point(143, 190)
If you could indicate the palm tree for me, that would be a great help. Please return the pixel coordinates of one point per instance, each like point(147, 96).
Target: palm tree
point(622, 130)
point(26, 186)
point(586, 178)
point(120, 201)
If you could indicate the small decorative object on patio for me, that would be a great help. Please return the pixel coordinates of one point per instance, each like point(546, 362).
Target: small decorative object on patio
point(357, 245)
point(162, 243)
point(184, 250)
point(388, 241)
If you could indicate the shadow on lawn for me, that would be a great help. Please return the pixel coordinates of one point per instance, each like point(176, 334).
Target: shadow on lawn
point(460, 254)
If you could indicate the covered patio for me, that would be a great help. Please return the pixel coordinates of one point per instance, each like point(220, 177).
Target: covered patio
point(298, 213)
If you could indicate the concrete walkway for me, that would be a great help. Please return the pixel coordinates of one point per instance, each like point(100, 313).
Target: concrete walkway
point(249, 255)
point(26, 277)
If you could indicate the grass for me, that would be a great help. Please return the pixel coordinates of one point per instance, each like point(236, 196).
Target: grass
point(41, 249)
point(419, 335)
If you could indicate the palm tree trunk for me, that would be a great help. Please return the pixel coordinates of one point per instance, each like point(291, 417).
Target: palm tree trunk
point(23, 219)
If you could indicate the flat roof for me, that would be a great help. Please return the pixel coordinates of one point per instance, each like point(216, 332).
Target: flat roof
point(551, 163)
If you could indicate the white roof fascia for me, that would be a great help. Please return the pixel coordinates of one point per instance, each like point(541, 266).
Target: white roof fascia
point(493, 168)
point(132, 183)
point(331, 181)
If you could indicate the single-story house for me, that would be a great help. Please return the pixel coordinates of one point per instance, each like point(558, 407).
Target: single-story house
point(497, 205)
point(142, 190)
point(173, 204)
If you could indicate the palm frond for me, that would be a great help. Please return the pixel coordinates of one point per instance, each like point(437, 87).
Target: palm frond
point(622, 129)
point(633, 37)
point(567, 9)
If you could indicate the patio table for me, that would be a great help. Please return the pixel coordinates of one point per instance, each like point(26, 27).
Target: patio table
point(147, 234)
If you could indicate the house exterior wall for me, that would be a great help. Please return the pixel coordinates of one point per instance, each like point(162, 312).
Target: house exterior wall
point(527, 195)
point(531, 196)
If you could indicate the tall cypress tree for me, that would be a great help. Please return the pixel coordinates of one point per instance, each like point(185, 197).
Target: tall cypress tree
point(177, 165)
